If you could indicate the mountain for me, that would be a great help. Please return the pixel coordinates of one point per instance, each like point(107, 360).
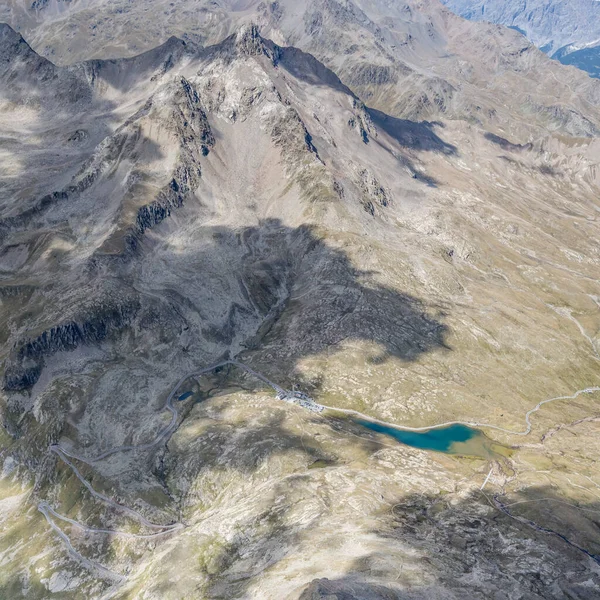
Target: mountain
point(404, 230)
point(549, 24)
point(567, 31)
point(413, 60)
point(586, 59)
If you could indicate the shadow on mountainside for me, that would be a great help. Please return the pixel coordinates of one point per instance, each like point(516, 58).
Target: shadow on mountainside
point(533, 543)
point(307, 68)
point(506, 144)
point(286, 472)
point(235, 286)
point(414, 135)
point(412, 546)
point(307, 294)
point(425, 546)
point(288, 284)
point(419, 136)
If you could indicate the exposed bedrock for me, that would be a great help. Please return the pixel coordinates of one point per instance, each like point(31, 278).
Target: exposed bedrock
point(25, 367)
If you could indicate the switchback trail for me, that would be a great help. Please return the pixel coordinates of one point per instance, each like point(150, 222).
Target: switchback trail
point(91, 565)
point(120, 507)
point(160, 436)
point(45, 508)
point(164, 434)
point(64, 455)
point(174, 415)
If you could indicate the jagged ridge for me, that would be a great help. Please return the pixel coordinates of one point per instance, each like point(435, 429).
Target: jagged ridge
point(26, 367)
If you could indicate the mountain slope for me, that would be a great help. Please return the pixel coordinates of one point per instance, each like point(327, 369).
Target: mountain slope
point(567, 31)
point(414, 60)
point(586, 59)
point(548, 24)
point(240, 200)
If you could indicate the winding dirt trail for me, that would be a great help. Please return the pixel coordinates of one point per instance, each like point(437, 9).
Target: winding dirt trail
point(164, 434)
point(91, 565)
point(120, 507)
point(44, 506)
point(160, 436)
point(526, 431)
point(65, 455)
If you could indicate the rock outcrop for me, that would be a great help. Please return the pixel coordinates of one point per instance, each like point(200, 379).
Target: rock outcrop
point(93, 327)
point(188, 122)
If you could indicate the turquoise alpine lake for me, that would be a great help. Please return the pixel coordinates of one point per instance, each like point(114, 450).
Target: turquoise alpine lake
point(440, 439)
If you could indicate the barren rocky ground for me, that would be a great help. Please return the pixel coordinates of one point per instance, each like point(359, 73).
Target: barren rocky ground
point(385, 206)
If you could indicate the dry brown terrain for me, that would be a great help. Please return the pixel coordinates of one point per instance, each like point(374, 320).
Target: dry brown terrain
point(420, 246)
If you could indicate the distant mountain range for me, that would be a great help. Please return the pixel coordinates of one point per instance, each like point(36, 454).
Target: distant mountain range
point(567, 31)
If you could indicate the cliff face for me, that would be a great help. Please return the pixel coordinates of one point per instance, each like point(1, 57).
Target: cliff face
point(22, 371)
point(140, 175)
point(188, 122)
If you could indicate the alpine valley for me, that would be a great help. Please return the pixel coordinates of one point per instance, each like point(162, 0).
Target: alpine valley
point(244, 246)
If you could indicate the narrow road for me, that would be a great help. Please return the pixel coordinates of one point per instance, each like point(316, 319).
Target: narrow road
point(161, 435)
point(503, 508)
point(174, 415)
point(64, 455)
point(120, 507)
point(487, 478)
point(112, 532)
point(264, 379)
point(86, 562)
point(526, 431)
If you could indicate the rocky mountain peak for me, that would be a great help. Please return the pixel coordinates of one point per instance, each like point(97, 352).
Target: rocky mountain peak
point(249, 42)
point(248, 39)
